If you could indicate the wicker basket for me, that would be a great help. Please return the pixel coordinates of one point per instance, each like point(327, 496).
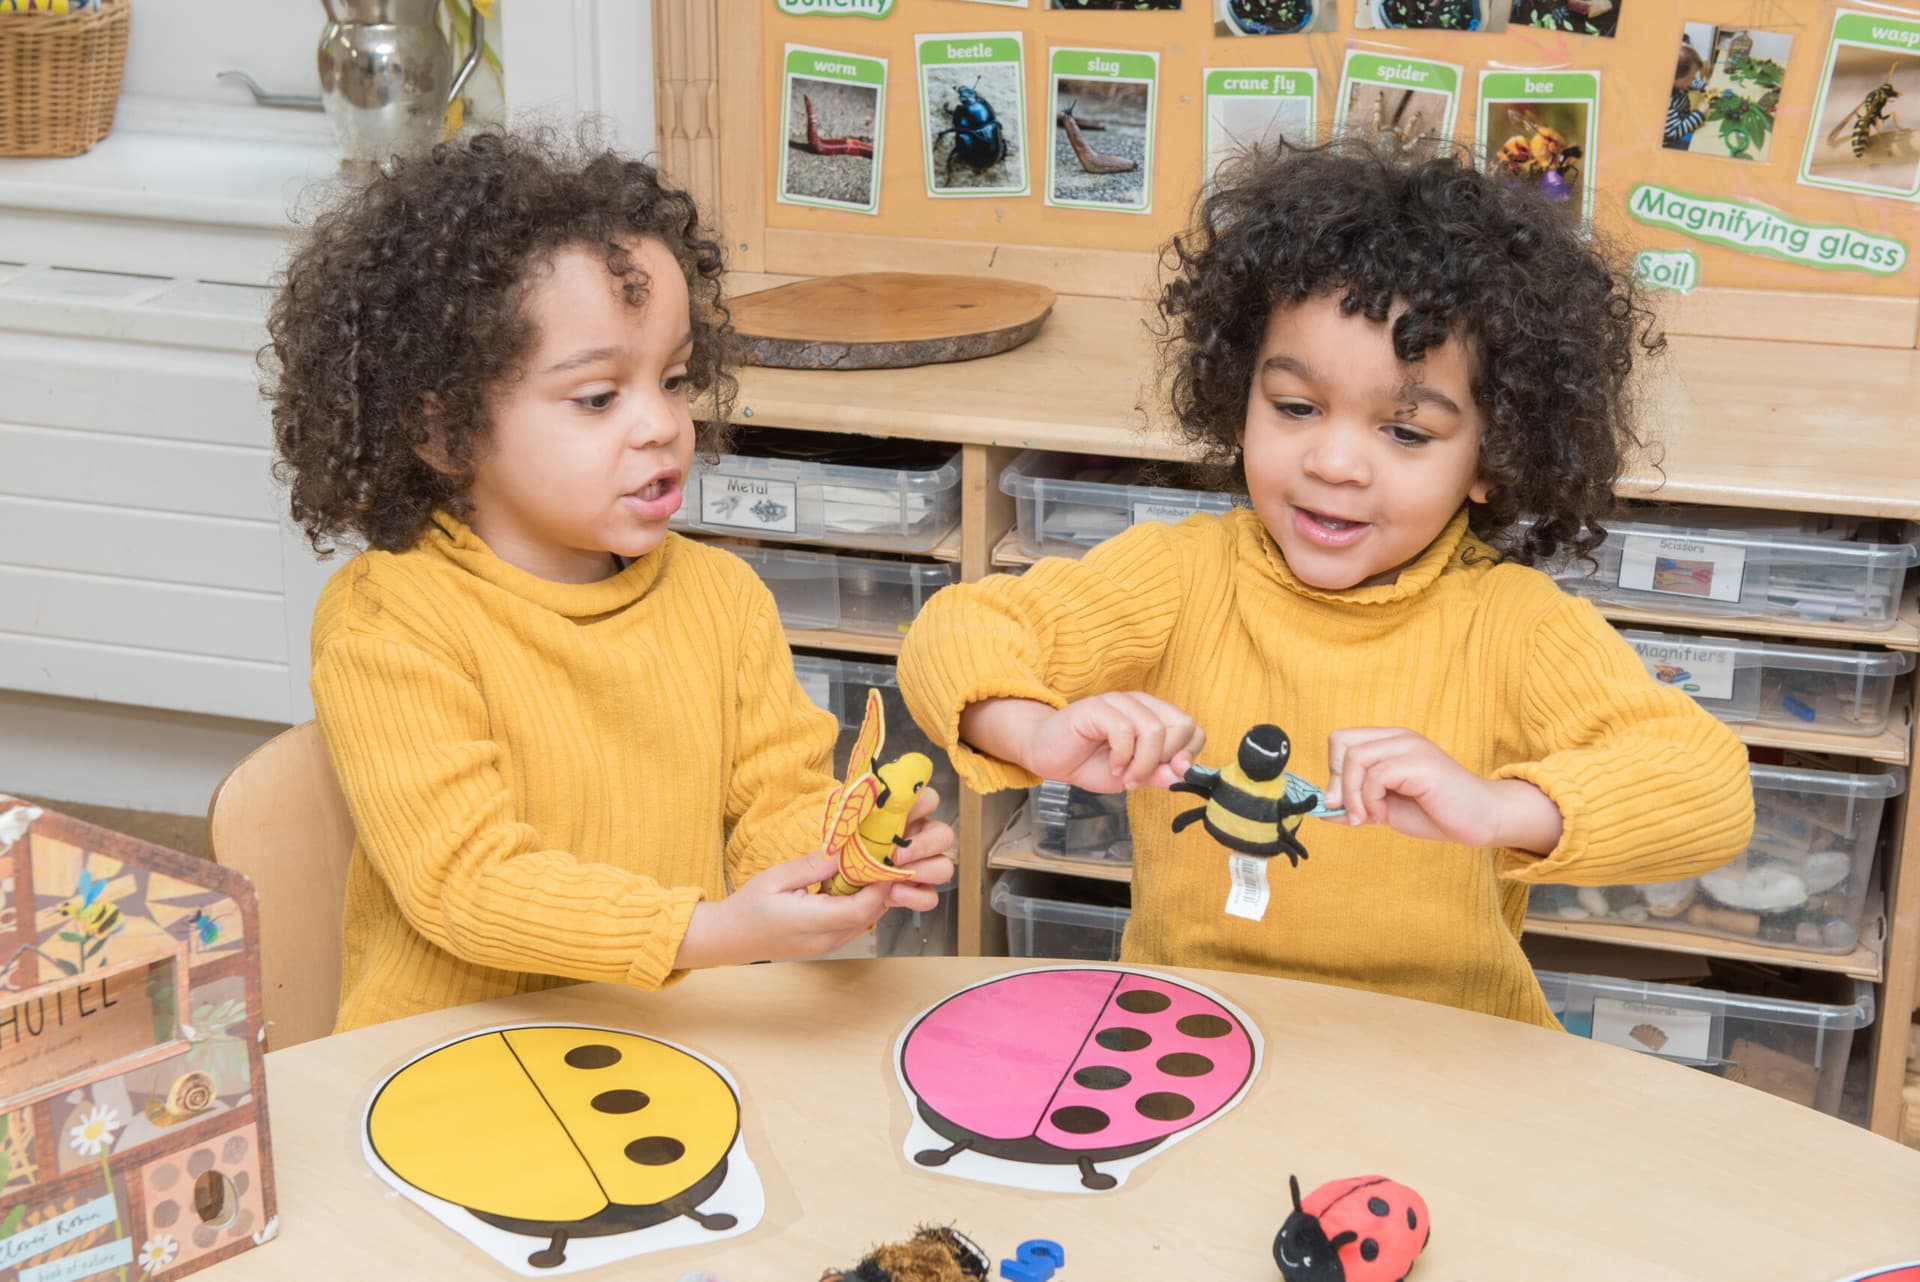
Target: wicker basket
point(60, 78)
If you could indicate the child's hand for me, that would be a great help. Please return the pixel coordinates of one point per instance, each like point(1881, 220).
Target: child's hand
point(927, 853)
point(1401, 779)
point(1107, 743)
point(774, 917)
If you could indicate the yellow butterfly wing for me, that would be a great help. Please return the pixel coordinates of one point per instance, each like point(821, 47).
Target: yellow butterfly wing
point(848, 808)
point(865, 757)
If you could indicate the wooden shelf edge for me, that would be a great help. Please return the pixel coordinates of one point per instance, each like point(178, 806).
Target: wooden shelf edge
point(947, 550)
point(1893, 745)
point(1029, 858)
point(851, 642)
point(1903, 635)
point(1863, 962)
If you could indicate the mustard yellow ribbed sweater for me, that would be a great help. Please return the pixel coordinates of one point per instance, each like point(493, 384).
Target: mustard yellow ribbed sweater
point(1506, 673)
point(543, 775)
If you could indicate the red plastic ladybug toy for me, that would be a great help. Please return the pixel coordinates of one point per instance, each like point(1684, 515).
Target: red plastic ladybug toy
point(1364, 1229)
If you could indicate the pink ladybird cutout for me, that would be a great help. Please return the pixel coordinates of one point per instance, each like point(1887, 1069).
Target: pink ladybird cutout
point(1066, 1078)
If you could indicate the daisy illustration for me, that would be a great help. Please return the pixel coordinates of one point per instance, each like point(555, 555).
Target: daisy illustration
point(157, 1254)
point(93, 1134)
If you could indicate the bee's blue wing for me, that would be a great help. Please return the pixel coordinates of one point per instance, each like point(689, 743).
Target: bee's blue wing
point(88, 888)
point(1202, 776)
point(1299, 790)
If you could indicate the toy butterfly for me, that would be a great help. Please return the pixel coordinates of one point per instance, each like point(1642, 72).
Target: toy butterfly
point(866, 816)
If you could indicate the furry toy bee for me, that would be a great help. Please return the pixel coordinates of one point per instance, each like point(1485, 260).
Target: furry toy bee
point(1866, 120)
point(1250, 800)
point(867, 815)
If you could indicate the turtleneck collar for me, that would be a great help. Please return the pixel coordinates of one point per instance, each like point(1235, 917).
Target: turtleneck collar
point(1453, 540)
point(452, 539)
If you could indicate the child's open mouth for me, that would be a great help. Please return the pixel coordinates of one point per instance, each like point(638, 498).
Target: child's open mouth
point(658, 499)
point(1325, 530)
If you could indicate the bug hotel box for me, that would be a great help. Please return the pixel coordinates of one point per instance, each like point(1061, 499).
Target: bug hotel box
point(133, 1116)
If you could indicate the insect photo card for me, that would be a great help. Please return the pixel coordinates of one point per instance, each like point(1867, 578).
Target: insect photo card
point(1537, 130)
point(1575, 17)
point(1743, 70)
point(1101, 110)
point(558, 1147)
point(1254, 106)
point(973, 113)
point(1406, 104)
point(1274, 17)
point(1430, 15)
point(830, 150)
point(1857, 142)
point(1066, 1078)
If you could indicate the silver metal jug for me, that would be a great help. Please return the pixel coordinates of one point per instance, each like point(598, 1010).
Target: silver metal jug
point(386, 76)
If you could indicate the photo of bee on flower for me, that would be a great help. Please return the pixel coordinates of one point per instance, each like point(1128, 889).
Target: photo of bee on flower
point(1543, 146)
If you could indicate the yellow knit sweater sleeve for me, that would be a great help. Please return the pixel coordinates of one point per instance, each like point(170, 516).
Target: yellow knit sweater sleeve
point(1649, 785)
point(782, 769)
point(408, 734)
point(1063, 631)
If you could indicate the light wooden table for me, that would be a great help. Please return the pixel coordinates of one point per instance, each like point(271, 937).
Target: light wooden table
point(1539, 1154)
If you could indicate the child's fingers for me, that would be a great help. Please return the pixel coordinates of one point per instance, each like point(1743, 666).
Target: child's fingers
point(798, 874)
point(931, 840)
point(1112, 724)
point(923, 805)
point(912, 897)
point(1149, 738)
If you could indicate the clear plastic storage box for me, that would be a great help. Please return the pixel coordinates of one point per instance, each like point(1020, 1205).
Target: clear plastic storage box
point(1752, 565)
point(901, 932)
point(1066, 503)
point(840, 686)
point(869, 594)
point(1069, 917)
point(1802, 883)
point(1070, 823)
point(1831, 690)
point(1795, 1046)
point(901, 496)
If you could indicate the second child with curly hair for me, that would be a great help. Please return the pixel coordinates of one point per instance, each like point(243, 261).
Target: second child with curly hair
point(1422, 376)
point(572, 742)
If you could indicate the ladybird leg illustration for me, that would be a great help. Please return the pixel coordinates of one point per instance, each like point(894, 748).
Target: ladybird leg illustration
point(941, 1156)
point(1092, 1177)
point(553, 1255)
point(713, 1223)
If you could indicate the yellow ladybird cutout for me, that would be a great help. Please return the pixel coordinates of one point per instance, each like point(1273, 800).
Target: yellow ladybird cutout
point(569, 1134)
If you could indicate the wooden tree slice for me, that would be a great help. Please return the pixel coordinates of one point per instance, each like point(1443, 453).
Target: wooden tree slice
point(887, 320)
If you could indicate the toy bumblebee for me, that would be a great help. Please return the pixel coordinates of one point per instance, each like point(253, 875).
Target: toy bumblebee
point(1250, 801)
point(866, 817)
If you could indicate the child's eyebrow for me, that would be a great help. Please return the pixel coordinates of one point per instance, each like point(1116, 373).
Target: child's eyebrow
point(586, 356)
point(1420, 394)
point(1283, 364)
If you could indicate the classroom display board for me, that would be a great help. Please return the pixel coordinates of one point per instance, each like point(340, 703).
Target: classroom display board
point(133, 1110)
point(1734, 144)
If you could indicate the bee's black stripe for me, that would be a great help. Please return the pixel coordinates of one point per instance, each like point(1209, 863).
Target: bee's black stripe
point(1248, 806)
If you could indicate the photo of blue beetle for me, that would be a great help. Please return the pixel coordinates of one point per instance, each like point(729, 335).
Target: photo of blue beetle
point(979, 139)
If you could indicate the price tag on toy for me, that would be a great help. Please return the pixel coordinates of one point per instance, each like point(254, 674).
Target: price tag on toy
point(1248, 897)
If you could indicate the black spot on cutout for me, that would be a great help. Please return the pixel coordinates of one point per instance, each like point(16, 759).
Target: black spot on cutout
point(1185, 1064)
point(1412, 1221)
point(620, 1101)
point(1378, 1205)
point(1369, 1250)
point(656, 1150)
point(1204, 1026)
point(593, 1055)
point(1102, 1077)
point(1164, 1106)
point(1123, 1039)
point(1078, 1119)
point(1143, 1001)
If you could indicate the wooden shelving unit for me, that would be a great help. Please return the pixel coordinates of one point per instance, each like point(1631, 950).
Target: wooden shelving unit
point(1075, 388)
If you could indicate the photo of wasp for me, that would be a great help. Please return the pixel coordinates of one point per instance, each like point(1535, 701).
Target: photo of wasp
point(1539, 156)
point(1250, 801)
point(1868, 120)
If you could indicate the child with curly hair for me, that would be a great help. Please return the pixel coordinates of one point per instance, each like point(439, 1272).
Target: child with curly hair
point(1422, 377)
point(564, 733)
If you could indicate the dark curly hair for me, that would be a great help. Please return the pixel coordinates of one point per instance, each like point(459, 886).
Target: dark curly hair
point(409, 294)
point(1553, 323)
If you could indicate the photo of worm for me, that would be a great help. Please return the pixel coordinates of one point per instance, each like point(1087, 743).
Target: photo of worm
point(830, 141)
point(1100, 143)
